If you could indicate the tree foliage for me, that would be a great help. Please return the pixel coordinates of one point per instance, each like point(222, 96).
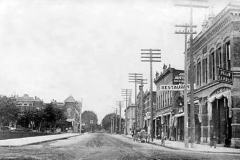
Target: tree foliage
point(106, 122)
point(9, 111)
point(87, 116)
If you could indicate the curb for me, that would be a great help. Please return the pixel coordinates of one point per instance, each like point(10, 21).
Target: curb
point(43, 141)
point(176, 148)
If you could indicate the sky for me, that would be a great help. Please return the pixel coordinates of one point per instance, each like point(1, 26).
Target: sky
point(86, 48)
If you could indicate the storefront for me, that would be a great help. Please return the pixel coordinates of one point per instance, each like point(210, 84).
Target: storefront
point(220, 116)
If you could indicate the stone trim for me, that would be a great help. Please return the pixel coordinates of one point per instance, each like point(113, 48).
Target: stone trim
point(235, 124)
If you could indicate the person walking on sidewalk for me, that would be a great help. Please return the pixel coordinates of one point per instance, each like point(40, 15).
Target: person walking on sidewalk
point(163, 138)
point(213, 140)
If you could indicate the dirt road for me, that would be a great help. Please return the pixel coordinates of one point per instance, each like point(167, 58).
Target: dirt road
point(101, 146)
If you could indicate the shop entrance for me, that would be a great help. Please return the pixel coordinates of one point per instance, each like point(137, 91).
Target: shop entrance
point(221, 123)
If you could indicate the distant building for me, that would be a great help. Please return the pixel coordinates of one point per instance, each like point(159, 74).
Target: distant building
point(28, 103)
point(72, 112)
point(130, 116)
point(147, 111)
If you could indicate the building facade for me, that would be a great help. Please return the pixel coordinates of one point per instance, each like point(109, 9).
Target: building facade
point(72, 112)
point(147, 112)
point(130, 117)
point(28, 103)
point(217, 78)
point(169, 107)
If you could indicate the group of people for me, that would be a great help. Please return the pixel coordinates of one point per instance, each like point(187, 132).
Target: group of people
point(163, 137)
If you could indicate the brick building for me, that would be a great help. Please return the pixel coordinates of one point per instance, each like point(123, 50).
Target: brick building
point(169, 108)
point(217, 78)
point(72, 112)
point(28, 103)
point(147, 111)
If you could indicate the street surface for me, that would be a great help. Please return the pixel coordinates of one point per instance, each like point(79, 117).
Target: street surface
point(103, 146)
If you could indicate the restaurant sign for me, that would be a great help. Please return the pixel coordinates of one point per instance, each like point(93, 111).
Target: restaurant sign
point(224, 76)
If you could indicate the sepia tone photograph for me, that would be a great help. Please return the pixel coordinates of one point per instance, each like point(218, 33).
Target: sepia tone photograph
point(119, 79)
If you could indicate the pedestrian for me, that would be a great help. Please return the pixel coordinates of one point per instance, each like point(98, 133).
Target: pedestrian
point(213, 140)
point(163, 139)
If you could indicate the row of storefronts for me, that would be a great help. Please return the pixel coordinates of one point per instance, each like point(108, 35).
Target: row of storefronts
point(216, 56)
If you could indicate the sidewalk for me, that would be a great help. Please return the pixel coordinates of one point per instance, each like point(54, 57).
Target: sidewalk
point(33, 140)
point(197, 147)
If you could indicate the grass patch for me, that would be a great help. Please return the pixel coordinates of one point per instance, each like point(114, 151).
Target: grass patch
point(12, 135)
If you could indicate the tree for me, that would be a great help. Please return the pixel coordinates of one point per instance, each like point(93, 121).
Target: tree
point(9, 111)
point(106, 122)
point(88, 116)
point(53, 115)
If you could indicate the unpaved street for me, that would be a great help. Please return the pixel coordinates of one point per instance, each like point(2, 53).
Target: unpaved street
point(101, 146)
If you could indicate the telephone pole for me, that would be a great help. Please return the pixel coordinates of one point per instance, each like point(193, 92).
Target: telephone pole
point(151, 55)
point(185, 32)
point(116, 122)
point(191, 6)
point(80, 116)
point(119, 103)
point(133, 78)
point(126, 93)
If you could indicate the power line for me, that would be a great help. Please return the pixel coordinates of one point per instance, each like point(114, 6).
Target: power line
point(134, 78)
point(186, 33)
point(150, 58)
point(191, 6)
point(126, 93)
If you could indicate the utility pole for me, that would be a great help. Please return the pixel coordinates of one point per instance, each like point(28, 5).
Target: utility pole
point(119, 103)
point(116, 122)
point(185, 32)
point(133, 77)
point(142, 82)
point(151, 55)
point(192, 119)
point(126, 93)
point(111, 125)
point(80, 116)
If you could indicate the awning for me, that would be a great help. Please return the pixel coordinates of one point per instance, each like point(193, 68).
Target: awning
point(168, 113)
point(226, 94)
point(179, 115)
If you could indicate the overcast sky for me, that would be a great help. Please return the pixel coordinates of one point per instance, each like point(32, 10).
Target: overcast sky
point(86, 48)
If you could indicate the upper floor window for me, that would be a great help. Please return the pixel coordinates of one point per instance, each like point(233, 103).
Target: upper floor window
point(199, 73)
point(228, 55)
point(212, 65)
point(219, 57)
point(204, 70)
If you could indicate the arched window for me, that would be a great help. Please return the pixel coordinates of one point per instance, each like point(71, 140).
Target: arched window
point(219, 57)
point(212, 65)
point(228, 55)
point(199, 75)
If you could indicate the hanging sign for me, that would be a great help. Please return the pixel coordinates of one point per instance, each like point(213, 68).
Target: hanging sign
point(224, 75)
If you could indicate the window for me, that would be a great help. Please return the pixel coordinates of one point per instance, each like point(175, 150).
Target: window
point(212, 65)
point(219, 57)
point(161, 100)
point(228, 55)
point(199, 73)
point(206, 71)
